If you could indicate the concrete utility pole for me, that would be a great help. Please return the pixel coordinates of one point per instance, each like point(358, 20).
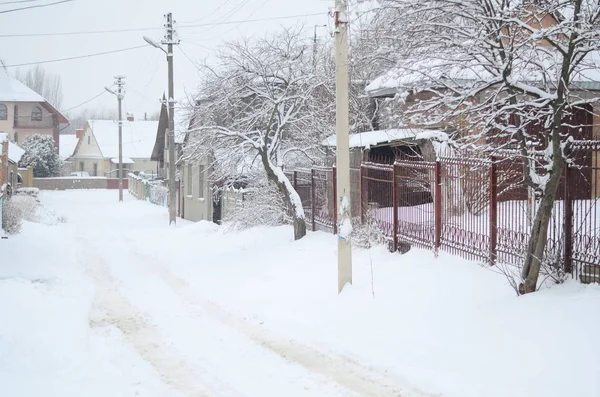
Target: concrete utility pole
point(120, 94)
point(343, 144)
point(170, 40)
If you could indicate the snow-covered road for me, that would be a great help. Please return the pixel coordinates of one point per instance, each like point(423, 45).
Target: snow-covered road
point(114, 302)
point(150, 317)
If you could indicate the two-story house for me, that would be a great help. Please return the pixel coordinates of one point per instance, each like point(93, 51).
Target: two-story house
point(23, 112)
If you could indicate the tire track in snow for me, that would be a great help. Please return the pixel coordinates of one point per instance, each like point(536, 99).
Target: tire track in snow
point(112, 308)
point(344, 371)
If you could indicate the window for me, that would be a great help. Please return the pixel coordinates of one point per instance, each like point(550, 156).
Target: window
point(89, 140)
point(95, 172)
point(16, 115)
point(190, 183)
point(201, 181)
point(16, 137)
point(81, 166)
point(36, 114)
point(3, 112)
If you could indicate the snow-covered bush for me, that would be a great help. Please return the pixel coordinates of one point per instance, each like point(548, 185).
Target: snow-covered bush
point(16, 210)
point(262, 205)
point(41, 155)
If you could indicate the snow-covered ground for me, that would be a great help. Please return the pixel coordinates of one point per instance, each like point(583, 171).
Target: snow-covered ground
point(113, 302)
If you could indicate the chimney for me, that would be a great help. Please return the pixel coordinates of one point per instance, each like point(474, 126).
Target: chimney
point(79, 133)
point(130, 117)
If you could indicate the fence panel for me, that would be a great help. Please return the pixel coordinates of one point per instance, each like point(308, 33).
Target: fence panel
point(324, 197)
point(465, 207)
point(378, 181)
point(415, 193)
point(583, 252)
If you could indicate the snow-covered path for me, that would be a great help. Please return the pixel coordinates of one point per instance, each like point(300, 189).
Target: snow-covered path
point(113, 302)
point(189, 345)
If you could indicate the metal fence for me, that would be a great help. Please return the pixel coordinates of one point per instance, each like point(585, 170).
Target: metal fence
point(478, 207)
point(145, 187)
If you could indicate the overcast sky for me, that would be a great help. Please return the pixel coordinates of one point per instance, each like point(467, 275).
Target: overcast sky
point(146, 68)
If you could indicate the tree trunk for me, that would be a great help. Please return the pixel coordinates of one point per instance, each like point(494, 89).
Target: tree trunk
point(539, 231)
point(290, 196)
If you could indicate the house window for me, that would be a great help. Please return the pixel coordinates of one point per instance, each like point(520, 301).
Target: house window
point(81, 166)
point(3, 112)
point(36, 114)
point(89, 140)
point(190, 183)
point(16, 136)
point(16, 115)
point(95, 172)
point(200, 181)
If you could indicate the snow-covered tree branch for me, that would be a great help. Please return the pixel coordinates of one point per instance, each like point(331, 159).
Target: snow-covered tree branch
point(499, 74)
point(263, 102)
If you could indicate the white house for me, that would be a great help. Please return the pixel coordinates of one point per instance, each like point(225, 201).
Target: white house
point(97, 151)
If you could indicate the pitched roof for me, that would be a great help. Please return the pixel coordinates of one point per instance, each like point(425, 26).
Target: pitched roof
point(12, 90)
point(67, 145)
point(374, 138)
point(138, 138)
point(15, 152)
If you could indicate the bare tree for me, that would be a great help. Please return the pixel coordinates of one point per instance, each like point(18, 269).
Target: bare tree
point(503, 74)
point(263, 104)
point(48, 85)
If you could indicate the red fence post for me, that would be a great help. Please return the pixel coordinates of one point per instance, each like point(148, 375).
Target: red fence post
point(568, 221)
point(313, 198)
point(296, 181)
point(362, 195)
point(438, 206)
point(395, 208)
point(335, 204)
point(493, 211)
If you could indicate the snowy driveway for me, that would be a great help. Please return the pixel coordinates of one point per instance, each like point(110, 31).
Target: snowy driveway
point(140, 329)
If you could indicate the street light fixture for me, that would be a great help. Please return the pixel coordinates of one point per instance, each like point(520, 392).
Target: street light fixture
point(154, 44)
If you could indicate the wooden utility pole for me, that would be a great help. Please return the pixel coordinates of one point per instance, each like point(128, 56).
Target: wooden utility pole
point(343, 145)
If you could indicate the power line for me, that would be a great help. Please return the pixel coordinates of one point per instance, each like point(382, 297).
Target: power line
point(75, 57)
point(17, 1)
point(36, 6)
point(84, 103)
point(154, 28)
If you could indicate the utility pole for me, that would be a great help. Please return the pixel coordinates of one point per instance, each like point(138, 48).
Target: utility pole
point(343, 144)
point(169, 40)
point(120, 94)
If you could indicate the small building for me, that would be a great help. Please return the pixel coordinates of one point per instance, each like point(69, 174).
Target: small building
point(66, 149)
point(97, 150)
point(10, 155)
point(23, 112)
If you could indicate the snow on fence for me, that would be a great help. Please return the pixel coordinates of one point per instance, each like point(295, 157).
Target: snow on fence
point(473, 207)
point(145, 187)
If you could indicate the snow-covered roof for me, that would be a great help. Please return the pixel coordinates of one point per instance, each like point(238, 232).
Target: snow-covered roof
point(67, 145)
point(15, 152)
point(138, 138)
point(3, 137)
point(126, 160)
point(12, 90)
point(373, 138)
point(453, 70)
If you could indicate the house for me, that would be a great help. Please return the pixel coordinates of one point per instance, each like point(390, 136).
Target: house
point(160, 151)
point(97, 150)
point(23, 112)
point(10, 155)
